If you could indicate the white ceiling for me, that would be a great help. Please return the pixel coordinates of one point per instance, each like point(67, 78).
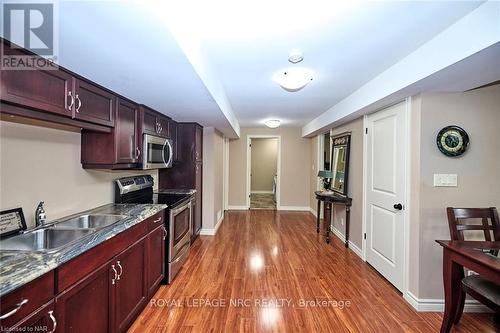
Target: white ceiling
point(215, 64)
point(344, 49)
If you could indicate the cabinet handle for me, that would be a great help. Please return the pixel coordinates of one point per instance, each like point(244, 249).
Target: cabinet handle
point(116, 274)
point(54, 321)
point(137, 152)
point(72, 100)
point(79, 104)
point(165, 233)
point(121, 270)
point(157, 220)
point(18, 306)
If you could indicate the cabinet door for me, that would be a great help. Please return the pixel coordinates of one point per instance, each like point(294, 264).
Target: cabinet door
point(131, 288)
point(164, 130)
point(127, 141)
point(93, 104)
point(38, 89)
point(198, 142)
point(173, 135)
point(87, 306)
point(149, 124)
point(42, 320)
point(156, 259)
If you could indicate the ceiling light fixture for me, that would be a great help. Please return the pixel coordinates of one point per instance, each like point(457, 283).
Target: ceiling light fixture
point(272, 123)
point(295, 56)
point(293, 79)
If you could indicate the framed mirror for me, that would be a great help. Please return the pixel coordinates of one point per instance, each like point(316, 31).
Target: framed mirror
point(340, 162)
point(326, 151)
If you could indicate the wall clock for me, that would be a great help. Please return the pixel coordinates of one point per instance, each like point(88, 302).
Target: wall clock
point(452, 141)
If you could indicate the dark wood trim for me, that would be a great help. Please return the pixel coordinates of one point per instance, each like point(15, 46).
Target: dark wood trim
point(6, 108)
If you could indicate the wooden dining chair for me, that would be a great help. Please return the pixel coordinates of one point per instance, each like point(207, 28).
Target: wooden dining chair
point(477, 286)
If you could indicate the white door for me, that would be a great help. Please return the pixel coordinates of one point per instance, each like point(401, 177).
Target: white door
point(385, 192)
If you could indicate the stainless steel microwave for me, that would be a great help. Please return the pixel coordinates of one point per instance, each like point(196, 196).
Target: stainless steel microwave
point(157, 152)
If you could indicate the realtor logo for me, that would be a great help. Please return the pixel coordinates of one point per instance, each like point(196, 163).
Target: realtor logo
point(32, 26)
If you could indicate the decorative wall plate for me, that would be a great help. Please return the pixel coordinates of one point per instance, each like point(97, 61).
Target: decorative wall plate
point(452, 141)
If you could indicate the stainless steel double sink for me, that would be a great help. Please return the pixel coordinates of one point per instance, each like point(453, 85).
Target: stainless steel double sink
point(60, 234)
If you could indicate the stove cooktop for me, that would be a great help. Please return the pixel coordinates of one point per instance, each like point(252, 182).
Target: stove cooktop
point(170, 199)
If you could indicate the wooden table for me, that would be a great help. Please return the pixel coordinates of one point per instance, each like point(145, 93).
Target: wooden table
point(329, 200)
point(456, 256)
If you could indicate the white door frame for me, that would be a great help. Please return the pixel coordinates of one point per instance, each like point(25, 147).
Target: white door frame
point(406, 213)
point(225, 195)
point(249, 167)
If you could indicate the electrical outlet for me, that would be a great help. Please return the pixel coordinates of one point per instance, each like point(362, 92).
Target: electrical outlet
point(445, 180)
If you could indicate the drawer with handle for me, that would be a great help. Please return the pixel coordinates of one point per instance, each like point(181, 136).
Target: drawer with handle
point(156, 220)
point(22, 302)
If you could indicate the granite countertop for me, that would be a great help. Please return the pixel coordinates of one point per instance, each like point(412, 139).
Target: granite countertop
point(20, 267)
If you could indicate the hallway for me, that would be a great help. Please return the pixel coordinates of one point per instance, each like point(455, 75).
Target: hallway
point(268, 271)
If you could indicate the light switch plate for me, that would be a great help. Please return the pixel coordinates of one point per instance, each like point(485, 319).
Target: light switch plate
point(445, 180)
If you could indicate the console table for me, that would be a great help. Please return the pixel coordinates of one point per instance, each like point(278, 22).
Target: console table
point(328, 201)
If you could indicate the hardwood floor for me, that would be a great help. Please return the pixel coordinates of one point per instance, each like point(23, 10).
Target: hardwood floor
point(258, 256)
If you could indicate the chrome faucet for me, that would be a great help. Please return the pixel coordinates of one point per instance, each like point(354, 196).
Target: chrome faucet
point(40, 216)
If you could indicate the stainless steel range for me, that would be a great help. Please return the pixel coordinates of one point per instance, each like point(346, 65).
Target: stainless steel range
point(139, 189)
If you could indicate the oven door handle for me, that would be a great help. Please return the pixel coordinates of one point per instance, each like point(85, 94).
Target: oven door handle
point(177, 210)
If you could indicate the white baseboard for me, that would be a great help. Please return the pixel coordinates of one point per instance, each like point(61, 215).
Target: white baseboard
point(352, 246)
point(295, 208)
point(313, 211)
point(212, 232)
point(237, 208)
point(262, 192)
point(437, 305)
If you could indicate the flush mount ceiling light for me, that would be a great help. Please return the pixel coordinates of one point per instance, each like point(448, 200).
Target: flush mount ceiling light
point(293, 79)
point(272, 123)
point(295, 56)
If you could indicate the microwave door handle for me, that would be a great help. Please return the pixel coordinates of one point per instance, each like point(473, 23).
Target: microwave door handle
point(170, 153)
point(171, 150)
point(163, 153)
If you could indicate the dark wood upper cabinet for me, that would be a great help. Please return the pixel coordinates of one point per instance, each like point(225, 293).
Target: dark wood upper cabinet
point(164, 124)
point(58, 91)
point(50, 91)
point(127, 141)
point(154, 123)
point(131, 288)
point(172, 126)
point(149, 123)
point(120, 149)
point(93, 104)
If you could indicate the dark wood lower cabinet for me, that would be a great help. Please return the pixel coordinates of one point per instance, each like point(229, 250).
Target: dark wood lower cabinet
point(87, 306)
point(156, 259)
point(42, 320)
point(102, 290)
point(130, 292)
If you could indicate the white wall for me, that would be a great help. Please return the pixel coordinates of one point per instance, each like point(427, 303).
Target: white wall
point(213, 180)
point(478, 112)
point(43, 164)
point(295, 166)
point(264, 163)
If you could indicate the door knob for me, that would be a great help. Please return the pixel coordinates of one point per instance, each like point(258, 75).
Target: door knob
point(398, 206)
